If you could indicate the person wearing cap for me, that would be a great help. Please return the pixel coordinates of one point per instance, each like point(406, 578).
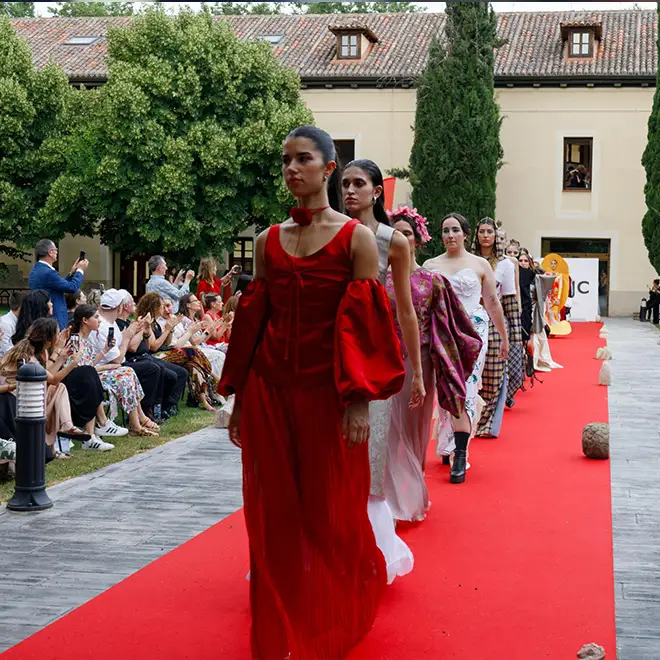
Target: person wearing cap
point(149, 373)
point(125, 311)
point(158, 282)
point(44, 276)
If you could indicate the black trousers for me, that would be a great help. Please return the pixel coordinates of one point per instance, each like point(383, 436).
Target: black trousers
point(653, 307)
point(176, 377)
point(151, 375)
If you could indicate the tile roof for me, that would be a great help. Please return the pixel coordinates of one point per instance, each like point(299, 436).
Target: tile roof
point(533, 48)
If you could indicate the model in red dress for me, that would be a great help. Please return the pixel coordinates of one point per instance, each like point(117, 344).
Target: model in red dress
point(313, 341)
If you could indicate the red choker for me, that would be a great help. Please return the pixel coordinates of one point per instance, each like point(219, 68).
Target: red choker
point(303, 217)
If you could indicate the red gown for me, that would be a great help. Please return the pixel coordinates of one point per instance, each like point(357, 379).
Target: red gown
point(306, 340)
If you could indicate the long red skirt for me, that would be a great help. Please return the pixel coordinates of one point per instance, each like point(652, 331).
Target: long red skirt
point(316, 573)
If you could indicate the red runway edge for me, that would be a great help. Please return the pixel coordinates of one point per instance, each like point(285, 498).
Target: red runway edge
point(514, 564)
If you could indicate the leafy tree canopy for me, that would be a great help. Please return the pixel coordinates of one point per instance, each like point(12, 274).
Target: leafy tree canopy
point(91, 9)
point(16, 9)
point(31, 105)
point(181, 149)
point(456, 151)
point(232, 8)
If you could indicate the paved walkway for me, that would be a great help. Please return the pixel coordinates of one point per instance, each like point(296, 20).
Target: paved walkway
point(108, 524)
point(634, 398)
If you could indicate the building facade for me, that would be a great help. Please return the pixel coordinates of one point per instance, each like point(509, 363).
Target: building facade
point(575, 91)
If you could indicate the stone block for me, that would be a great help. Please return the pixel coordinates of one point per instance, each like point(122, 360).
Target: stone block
point(591, 652)
point(604, 353)
point(605, 374)
point(596, 442)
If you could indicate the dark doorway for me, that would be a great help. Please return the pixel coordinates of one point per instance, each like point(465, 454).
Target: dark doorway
point(585, 248)
point(345, 151)
point(133, 274)
point(243, 255)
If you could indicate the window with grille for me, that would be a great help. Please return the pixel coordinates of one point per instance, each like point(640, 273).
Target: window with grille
point(349, 47)
point(581, 43)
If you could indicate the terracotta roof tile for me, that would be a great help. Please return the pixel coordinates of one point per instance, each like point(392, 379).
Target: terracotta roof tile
point(533, 44)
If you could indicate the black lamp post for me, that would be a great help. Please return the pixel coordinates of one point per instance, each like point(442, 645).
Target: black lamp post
point(30, 493)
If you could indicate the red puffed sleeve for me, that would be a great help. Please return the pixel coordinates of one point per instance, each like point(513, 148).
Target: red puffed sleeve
point(455, 346)
point(247, 328)
point(368, 362)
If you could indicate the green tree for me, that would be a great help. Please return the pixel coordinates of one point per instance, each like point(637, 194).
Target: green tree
point(181, 149)
point(457, 152)
point(241, 8)
point(31, 105)
point(17, 9)
point(92, 9)
point(651, 162)
point(357, 7)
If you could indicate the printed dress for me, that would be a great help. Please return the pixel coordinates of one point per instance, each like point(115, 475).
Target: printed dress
point(466, 284)
point(121, 383)
point(450, 347)
point(494, 379)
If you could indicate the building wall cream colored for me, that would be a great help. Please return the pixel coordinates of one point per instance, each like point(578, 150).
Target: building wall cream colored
point(530, 201)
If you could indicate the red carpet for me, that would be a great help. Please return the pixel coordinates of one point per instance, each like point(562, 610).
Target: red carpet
point(515, 564)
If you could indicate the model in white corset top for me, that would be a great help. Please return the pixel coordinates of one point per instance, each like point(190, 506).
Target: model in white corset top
point(472, 280)
point(362, 185)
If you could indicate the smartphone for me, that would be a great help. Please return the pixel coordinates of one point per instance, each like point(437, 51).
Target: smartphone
point(83, 255)
point(74, 340)
point(111, 336)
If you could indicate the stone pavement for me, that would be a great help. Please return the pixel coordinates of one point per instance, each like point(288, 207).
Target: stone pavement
point(108, 524)
point(634, 403)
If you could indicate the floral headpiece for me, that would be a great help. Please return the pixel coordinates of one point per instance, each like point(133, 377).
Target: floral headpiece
point(420, 222)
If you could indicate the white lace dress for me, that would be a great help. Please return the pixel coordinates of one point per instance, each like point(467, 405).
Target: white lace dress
point(398, 556)
point(467, 286)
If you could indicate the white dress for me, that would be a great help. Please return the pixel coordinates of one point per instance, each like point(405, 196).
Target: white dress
point(215, 356)
point(398, 556)
point(467, 287)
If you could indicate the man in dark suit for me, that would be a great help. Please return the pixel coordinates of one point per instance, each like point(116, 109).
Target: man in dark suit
point(44, 276)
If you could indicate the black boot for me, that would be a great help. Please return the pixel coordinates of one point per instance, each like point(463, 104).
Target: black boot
point(457, 474)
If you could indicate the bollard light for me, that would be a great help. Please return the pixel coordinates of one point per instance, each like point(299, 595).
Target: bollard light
point(30, 491)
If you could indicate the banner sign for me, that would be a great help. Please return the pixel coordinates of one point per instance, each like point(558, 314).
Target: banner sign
point(583, 296)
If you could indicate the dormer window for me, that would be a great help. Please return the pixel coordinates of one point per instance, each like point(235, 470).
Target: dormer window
point(581, 44)
point(581, 38)
point(353, 41)
point(349, 47)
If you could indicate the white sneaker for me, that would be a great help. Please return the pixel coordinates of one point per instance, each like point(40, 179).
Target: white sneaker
point(111, 429)
point(96, 443)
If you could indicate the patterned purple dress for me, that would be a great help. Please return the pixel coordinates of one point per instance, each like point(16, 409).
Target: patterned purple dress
point(450, 347)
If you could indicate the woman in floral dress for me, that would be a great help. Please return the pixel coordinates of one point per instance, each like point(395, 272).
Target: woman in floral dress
point(120, 382)
point(450, 347)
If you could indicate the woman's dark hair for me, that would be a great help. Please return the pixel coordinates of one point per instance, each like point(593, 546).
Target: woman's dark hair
point(82, 312)
point(40, 335)
point(402, 217)
point(498, 244)
point(243, 281)
point(184, 304)
point(210, 298)
point(325, 144)
point(462, 221)
point(72, 299)
point(376, 177)
point(35, 306)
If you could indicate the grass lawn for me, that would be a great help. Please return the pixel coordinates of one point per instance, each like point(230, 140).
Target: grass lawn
point(187, 421)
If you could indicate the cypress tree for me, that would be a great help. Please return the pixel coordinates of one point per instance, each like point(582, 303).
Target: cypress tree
point(457, 152)
point(651, 162)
